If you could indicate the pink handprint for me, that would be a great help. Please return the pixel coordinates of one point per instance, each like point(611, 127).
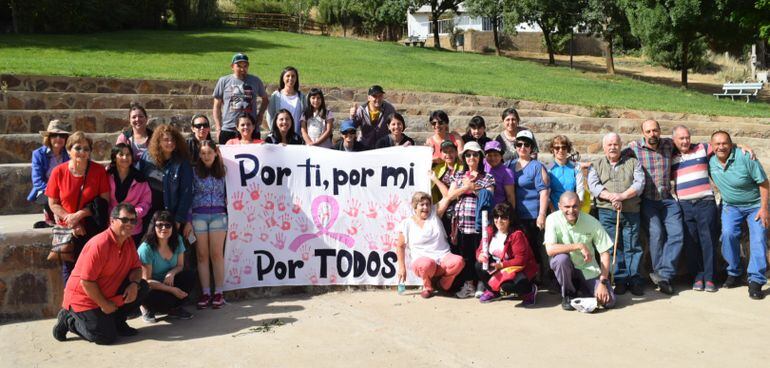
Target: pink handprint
point(281, 205)
point(353, 207)
point(296, 205)
point(263, 237)
point(254, 191)
point(237, 199)
point(280, 241)
point(305, 252)
point(404, 214)
point(248, 234)
point(387, 242)
point(371, 241)
point(234, 232)
point(235, 277)
point(270, 220)
point(354, 226)
point(393, 203)
point(390, 223)
point(269, 204)
point(251, 213)
point(333, 278)
point(247, 269)
point(313, 279)
point(372, 213)
point(285, 224)
point(303, 225)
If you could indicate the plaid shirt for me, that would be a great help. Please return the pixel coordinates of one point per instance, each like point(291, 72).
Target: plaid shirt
point(656, 165)
point(465, 208)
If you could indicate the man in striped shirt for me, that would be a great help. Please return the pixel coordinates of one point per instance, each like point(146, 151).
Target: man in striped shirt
point(690, 172)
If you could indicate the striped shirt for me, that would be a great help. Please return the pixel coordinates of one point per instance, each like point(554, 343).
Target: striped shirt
point(690, 172)
point(656, 165)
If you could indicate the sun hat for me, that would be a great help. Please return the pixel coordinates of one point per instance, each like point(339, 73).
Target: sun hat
point(56, 126)
point(471, 146)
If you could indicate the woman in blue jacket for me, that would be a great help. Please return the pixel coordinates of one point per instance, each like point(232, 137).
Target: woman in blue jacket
point(44, 159)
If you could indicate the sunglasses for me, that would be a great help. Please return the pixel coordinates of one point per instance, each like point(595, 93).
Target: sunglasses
point(58, 135)
point(126, 220)
point(434, 122)
point(202, 126)
point(163, 225)
point(559, 148)
point(81, 149)
point(501, 218)
point(349, 132)
point(523, 144)
point(471, 154)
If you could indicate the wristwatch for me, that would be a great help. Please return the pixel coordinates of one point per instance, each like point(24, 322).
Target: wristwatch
point(606, 282)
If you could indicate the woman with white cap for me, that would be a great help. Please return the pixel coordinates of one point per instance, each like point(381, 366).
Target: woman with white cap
point(472, 187)
point(44, 159)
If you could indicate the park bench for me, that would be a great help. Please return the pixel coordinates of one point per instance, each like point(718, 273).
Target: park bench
point(744, 89)
point(415, 41)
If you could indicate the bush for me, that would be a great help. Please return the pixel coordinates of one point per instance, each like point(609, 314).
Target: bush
point(262, 6)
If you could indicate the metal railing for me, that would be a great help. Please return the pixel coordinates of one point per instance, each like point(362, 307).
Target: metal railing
point(282, 22)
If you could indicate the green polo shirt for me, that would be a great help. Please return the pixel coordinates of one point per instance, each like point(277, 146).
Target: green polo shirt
point(738, 180)
point(587, 230)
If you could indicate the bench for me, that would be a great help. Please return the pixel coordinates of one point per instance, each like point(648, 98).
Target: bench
point(415, 41)
point(744, 89)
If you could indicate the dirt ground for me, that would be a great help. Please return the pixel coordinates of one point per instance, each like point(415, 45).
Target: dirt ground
point(383, 329)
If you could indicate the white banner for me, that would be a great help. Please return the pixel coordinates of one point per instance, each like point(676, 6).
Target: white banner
point(302, 215)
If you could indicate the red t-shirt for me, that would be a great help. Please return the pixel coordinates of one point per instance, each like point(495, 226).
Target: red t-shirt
point(65, 187)
point(105, 262)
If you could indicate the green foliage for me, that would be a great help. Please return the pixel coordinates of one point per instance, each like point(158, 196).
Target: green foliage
point(261, 6)
point(552, 16)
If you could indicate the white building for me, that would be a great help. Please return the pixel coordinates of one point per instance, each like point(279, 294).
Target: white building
point(419, 25)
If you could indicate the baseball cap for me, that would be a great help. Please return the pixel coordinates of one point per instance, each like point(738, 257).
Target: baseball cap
point(375, 89)
point(525, 134)
point(347, 125)
point(493, 146)
point(240, 57)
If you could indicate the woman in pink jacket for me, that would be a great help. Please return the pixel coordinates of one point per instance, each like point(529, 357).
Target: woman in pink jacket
point(128, 185)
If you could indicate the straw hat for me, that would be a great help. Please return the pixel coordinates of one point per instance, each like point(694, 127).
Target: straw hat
point(56, 126)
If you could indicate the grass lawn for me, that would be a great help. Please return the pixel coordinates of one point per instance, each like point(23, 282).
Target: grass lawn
point(327, 61)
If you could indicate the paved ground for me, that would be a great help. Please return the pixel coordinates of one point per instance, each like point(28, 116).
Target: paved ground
point(381, 328)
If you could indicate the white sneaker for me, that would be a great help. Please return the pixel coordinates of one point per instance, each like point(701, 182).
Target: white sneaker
point(466, 291)
point(479, 290)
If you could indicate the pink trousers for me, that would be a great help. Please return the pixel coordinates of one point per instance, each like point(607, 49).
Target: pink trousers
point(427, 269)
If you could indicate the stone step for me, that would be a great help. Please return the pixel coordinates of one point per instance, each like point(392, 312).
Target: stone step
point(46, 83)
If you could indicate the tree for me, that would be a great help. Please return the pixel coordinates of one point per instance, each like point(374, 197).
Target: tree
point(392, 15)
point(342, 12)
point(552, 16)
point(606, 19)
point(491, 9)
point(437, 8)
point(673, 32)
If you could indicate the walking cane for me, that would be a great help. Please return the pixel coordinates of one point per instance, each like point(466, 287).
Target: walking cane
point(615, 248)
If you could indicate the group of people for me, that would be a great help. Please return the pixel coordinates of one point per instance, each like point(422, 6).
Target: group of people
point(162, 193)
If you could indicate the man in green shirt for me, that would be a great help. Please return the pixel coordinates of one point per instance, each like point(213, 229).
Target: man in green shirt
point(571, 238)
point(744, 188)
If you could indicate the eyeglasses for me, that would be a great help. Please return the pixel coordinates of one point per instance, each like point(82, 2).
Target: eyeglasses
point(559, 148)
point(349, 132)
point(202, 126)
point(163, 225)
point(523, 144)
point(58, 135)
point(81, 149)
point(471, 154)
point(126, 220)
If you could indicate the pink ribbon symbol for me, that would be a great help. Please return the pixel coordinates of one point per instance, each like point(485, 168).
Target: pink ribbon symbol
point(323, 229)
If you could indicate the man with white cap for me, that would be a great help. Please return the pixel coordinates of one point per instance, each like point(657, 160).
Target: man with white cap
point(235, 94)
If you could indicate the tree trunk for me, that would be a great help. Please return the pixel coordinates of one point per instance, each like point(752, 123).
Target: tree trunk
point(608, 57)
point(436, 42)
point(496, 36)
point(14, 17)
point(548, 45)
point(685, 61)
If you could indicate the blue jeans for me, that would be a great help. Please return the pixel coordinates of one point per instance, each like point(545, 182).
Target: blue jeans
point(663, 222)
point(629, 249)
point(732, 217)
point(700, 237)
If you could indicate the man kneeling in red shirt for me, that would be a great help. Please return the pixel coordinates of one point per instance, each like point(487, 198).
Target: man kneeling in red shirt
point(105, 285)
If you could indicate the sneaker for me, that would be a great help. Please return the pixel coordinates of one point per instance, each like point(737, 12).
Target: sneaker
point(488, 296)
point(149, 317)
point(180, 313)
point(710, 287)
point(731, 282)
point(426, 294)
point(698, 285)
point(218, 301)
point(656, 279)
point(125, 330)
point(480, 289)
point(637, 289)
point(467, 291)
point(665, 287)
point(41, 225)
point(621, 288)
point(203, 301)
point(60, 329)
point(566, 303)
point(755, 291)
point(529, 299)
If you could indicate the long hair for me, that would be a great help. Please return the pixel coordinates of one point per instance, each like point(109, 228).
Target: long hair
point(198, 116)
point(308, 113)
point(480, 166)
point(155, 152)
point(277, 133)
point(287, 69)
point(217, 169)
point(151, 238)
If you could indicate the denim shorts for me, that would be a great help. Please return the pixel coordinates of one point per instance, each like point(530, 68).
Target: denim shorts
point(206, 223)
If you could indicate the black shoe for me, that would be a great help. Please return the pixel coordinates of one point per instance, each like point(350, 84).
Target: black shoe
point(732, 282)
point(125, 330)
point(755, 291)
point(41, 225)
point(179, 313)
point(656, 279)
point(621, 288)
point(565, 303)
point(665, 287)
point(637, 289)
point(60, 329)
